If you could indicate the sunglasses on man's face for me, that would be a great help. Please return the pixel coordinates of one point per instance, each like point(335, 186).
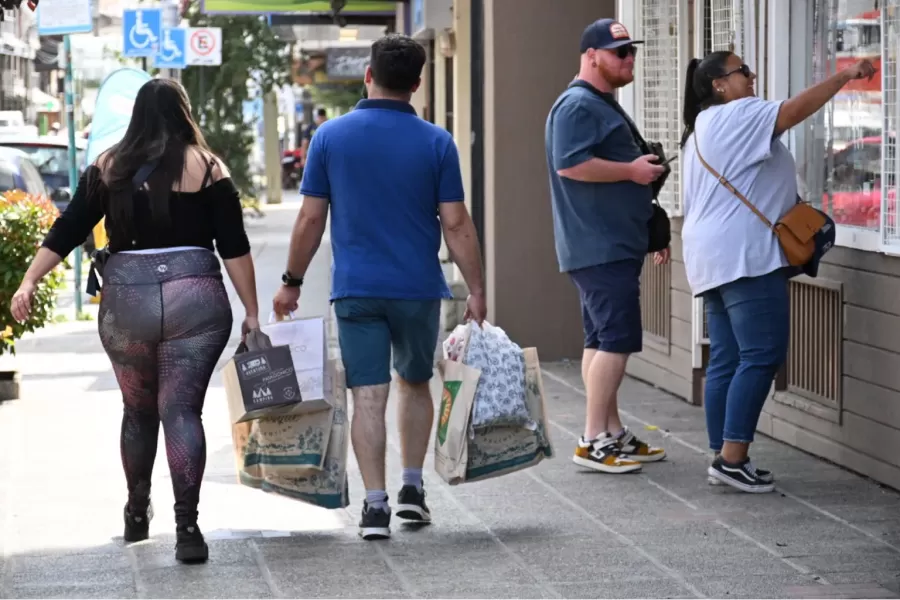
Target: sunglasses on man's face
point(624, 52)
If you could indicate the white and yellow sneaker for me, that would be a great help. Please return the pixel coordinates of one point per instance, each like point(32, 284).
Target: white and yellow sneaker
point(631, 448)
point(602, 454)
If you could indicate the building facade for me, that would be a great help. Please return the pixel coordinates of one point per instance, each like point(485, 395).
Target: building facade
point(496, 70)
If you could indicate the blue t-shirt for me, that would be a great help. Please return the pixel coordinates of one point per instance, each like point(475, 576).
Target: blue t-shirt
point(723, 239)
point(384, 171)
point(594, 223)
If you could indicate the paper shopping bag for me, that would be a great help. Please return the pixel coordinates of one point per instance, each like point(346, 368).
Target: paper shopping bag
point(496, 451)
point(260, 380)
point(324, 485)
point(283, 444)
point(451, 438)
point(307, 341)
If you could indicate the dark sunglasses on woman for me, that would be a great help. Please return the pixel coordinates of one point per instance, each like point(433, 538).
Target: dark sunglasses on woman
point(743, 70)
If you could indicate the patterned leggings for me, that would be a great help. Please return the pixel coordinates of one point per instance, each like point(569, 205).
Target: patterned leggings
point(164, 321)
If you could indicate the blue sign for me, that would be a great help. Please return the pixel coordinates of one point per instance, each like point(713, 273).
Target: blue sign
point(418, 15)
point(172, 51)
point(112, 111)
point(142, 29)
point(74, 17)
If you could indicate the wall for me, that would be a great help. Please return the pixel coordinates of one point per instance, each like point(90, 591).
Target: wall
point(531, 54)
point(666, 363)
point(864, 434)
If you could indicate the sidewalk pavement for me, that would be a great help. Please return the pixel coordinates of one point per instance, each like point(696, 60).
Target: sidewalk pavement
point(552, 531)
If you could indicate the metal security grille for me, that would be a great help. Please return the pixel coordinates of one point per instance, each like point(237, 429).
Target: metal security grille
point(814, 357)
point(890, 157)
point(660, 87)
point(656, 298)
point(727, 24)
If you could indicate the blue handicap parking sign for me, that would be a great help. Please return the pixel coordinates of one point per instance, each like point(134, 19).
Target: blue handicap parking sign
point(141, 29)
point(172, 51)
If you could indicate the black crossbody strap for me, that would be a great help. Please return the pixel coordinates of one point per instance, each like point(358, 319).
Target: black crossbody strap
point(641, 142)
point(143, 174)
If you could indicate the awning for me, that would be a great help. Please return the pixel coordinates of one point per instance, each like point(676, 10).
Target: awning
point(44, 102)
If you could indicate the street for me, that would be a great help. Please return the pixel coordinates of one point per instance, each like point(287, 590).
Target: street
point(553, 531)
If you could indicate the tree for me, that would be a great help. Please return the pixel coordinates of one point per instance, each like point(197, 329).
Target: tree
point(343, 95)
point(250, 53)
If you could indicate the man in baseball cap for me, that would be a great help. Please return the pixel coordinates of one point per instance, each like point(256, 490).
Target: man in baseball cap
point(601, 193)
point(606, 34)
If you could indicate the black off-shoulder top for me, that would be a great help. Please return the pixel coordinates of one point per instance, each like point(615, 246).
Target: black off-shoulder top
point(202, 218)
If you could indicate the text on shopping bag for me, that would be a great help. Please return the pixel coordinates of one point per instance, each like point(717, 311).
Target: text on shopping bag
point(260, 383)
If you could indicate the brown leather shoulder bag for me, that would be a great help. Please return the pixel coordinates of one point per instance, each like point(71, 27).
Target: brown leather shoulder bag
point(795, 230)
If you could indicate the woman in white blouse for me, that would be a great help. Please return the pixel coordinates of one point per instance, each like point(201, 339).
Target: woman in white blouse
point(732, 259)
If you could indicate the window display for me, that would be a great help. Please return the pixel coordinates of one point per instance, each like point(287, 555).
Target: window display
point(843, 172)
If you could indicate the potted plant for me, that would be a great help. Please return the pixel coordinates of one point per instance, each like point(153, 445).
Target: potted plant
point(24, 222)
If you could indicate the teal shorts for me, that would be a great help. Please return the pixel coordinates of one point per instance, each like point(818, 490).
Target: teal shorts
point(369, 329)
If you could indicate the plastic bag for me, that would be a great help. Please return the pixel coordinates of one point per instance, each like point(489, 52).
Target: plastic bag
point(455, 345)
point(500, 397)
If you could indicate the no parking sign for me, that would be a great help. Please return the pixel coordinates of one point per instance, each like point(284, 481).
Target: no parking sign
point(204, 46)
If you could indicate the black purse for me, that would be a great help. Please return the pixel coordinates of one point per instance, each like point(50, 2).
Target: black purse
point(659, 228)
point(100, 256)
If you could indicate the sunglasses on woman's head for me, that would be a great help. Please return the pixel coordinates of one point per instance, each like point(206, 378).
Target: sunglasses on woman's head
point(624, 52)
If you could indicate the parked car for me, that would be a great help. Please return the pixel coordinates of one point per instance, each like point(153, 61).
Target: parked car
point(12, 123)
point(46, 160)
point(18, 173)
point(50, 154)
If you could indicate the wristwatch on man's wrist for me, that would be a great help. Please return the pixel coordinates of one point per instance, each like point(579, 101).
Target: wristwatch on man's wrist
point(291, 281)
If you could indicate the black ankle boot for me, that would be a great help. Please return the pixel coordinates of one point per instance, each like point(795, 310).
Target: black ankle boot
point(137, 524)
point(190, 547)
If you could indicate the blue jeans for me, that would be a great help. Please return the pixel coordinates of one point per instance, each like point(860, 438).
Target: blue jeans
point(749, 326)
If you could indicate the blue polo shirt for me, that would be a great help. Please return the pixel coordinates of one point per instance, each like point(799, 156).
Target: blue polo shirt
point(594, 223)
point(384, 171)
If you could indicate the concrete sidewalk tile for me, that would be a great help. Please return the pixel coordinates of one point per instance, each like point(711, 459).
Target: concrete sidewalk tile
point(92, 591)
point(622, 589)
point(862, 590)
point(561, 559)
point(205, 581)
point(458, 589)
point(754, 586)
point(331, 577)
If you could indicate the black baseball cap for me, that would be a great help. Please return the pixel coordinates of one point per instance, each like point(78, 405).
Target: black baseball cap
point(605, 34)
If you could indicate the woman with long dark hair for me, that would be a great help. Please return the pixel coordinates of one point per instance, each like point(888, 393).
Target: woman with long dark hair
point(733, 260)
point(165, 316)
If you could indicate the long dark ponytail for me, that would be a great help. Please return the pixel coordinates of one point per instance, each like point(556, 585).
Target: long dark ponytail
point(698, 88)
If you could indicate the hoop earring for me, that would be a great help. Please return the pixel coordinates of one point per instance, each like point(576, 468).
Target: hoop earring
point(593, 65)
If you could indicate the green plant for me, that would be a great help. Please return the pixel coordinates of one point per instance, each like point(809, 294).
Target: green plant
point(343, 94)
point(252, 56)
point(24, 222)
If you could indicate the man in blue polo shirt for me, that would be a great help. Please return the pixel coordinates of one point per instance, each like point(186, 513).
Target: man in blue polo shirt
point(393, 184)
point(601, 194)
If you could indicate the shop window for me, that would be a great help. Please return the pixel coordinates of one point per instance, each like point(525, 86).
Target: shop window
point(660, 86)
point(726, 23)
point(849, 167)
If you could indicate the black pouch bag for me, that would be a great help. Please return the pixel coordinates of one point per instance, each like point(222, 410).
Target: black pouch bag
point(659, 228)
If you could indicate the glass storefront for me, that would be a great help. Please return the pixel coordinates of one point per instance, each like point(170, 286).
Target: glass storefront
point(845, 143)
